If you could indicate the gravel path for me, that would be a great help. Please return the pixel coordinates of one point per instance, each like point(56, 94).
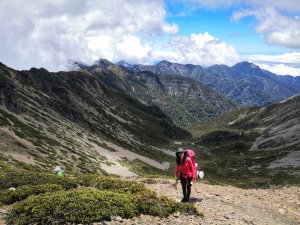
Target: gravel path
point(231, 205)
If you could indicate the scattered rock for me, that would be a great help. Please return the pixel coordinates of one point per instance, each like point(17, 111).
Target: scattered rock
point(116, 218)
point(231, 205)
point(177, 214)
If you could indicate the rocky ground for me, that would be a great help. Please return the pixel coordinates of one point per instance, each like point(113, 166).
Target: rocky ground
point(227, 205)
point(231, 205)
point(224, 205)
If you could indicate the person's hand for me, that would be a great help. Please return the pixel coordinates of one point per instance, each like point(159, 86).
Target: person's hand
point(175, 184)
point(193, 181)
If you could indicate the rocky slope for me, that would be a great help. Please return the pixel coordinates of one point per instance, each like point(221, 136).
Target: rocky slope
point(230, 205)
point(76, 120)
point(183, 99)
point(261, 144)
point(244, 83)
point(86, 122)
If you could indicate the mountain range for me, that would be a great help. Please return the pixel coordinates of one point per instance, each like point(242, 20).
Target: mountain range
point(253, 146)
point(107, 119)
point(183, 99)
point(245, 83)
point(75, 120)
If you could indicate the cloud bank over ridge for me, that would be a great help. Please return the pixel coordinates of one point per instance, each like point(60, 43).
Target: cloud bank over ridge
point(50, 34)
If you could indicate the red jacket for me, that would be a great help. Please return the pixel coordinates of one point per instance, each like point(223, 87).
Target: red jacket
point(187, 169)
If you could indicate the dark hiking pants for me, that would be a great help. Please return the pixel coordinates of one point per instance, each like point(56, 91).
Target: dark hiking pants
point(186, 188)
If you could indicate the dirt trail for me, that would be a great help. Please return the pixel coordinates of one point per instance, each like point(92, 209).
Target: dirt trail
point(3, 212)
point(231, 205)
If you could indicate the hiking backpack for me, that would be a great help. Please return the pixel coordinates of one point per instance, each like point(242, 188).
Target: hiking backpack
point(60, 173)
point(192, 155)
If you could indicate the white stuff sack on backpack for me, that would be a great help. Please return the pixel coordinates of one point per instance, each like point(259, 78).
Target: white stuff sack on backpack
point(200, 174)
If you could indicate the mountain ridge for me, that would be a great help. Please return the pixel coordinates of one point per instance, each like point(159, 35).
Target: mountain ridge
point(146, 86)
point(245, 83)
point(259, 143)
point(75, 120)
point(85, 122)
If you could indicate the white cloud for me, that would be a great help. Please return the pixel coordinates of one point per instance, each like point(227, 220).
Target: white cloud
point(279, 29)
point(277, 20)
point(286, 58)
point(132, 49)
point(280, 69)
point(202, 49)
point(51, 32)
point(212, 4)
point(282, 64)
point(291, 5)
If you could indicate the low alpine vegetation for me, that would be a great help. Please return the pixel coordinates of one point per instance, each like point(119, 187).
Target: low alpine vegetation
point(8, 197)
point(92, 199)
point(77, 206)
point(111, 183)
point(21, 178)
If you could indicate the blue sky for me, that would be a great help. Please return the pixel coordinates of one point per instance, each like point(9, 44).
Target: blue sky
point(219, 23)
point(54, 33)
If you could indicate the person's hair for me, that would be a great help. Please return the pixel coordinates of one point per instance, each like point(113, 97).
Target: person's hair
point(178, 158)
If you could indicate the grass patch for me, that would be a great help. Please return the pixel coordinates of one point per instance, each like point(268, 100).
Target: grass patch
point(142, 169)
point(103, 145)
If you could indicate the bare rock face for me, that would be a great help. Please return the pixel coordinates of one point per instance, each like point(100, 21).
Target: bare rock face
point(184, 100)
point(8, 93)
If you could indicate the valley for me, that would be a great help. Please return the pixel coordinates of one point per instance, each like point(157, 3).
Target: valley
point(103, 120)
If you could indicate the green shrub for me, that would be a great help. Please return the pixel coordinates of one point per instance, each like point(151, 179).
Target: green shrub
point(76, 206)
point(17, 178)
point(151, 204)
point(118, 184)
point(111, 183)
point(91, 205)
point(8, 197)
point(149, 181)
point(86, 180)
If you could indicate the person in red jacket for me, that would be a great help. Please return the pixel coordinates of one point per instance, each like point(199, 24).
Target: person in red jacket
point(185, 171)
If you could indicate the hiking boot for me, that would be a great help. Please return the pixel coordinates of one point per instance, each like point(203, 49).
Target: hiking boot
point(183, 200)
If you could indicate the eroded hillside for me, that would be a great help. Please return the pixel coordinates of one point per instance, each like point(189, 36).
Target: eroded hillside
point(256, 146)
point(183, 99)
point(75, 120)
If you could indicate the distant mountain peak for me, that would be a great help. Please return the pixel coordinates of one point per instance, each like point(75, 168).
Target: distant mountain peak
point(38, 70)
point(246, 64)
point(221, 66)
point(124, 64)
point(103, 63)
point(79, 65)
point(164, 62)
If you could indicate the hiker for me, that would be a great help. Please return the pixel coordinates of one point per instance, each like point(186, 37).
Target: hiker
point(185, 171)
point(58, 171)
